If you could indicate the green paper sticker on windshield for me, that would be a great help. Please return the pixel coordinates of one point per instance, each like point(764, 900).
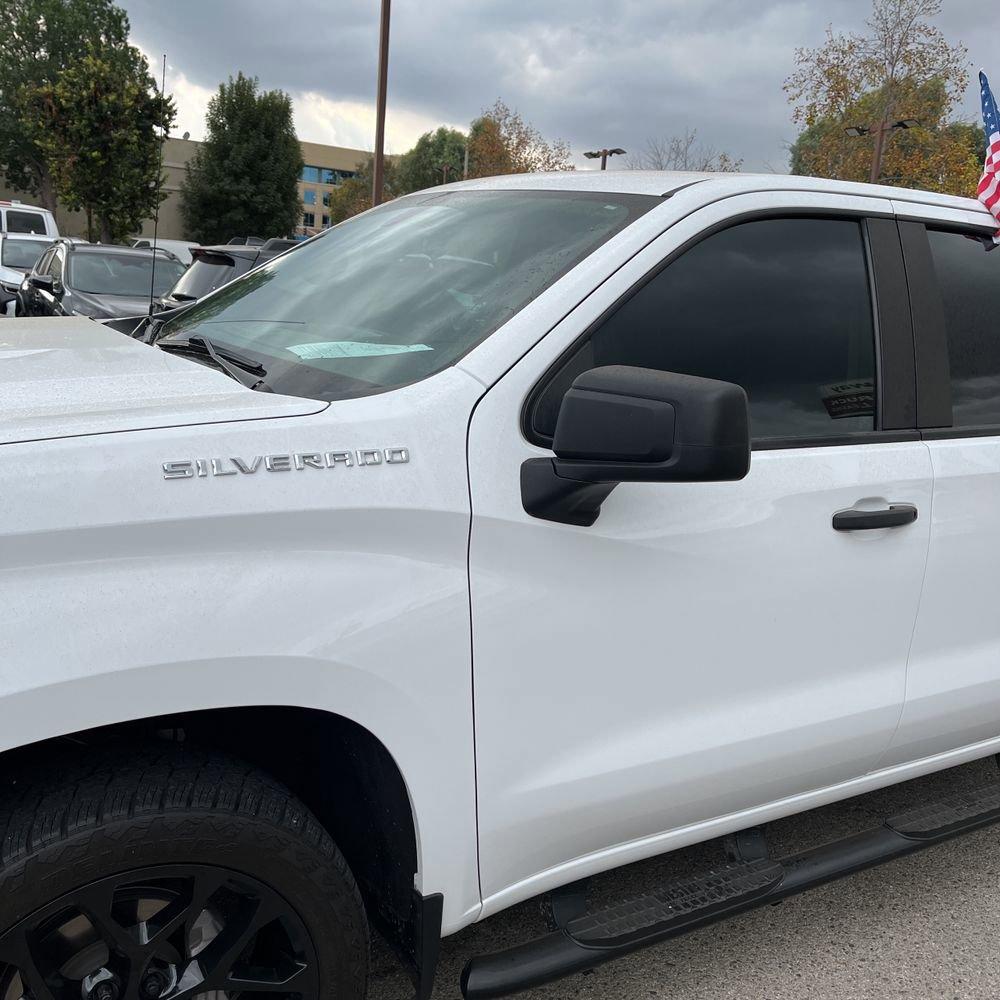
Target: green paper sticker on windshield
point(353, 349)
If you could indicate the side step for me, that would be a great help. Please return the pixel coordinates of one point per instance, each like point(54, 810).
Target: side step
point(721, 892)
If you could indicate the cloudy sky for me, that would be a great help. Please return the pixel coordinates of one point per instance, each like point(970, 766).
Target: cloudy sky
point(592, 72)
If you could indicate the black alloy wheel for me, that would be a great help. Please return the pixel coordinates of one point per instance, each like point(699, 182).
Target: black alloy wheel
point(167, 933)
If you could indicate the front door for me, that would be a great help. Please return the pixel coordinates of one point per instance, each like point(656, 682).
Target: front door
point(702, 649)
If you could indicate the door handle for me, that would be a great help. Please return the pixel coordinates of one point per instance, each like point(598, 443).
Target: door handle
point(893, 516)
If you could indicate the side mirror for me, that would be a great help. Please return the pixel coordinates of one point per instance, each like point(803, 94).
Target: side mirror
point(636, 425)
point(43, 282)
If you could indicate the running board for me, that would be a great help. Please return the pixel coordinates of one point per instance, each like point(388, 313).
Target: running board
point(721, 892)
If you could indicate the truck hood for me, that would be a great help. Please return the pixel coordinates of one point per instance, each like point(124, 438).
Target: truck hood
point(66, 377)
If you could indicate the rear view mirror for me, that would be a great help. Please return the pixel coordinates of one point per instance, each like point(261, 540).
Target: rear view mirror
point(42, 282)
point(620, 425)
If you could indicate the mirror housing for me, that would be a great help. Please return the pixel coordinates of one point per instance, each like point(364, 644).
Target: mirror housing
point(636, 425)
point(43, 282)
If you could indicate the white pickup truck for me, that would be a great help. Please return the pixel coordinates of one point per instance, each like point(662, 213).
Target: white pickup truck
point(507, 534)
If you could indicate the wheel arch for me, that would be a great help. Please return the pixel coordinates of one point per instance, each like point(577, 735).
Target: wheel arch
point(338, 768)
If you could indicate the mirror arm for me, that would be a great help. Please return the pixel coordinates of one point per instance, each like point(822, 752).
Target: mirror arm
point(547, 495)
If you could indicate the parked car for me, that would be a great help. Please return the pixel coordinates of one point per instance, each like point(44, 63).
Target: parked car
point(213, 267)
point(18, 254)
point(181, 249)
point(99, 281)
point(503, 535)
point(16, 217)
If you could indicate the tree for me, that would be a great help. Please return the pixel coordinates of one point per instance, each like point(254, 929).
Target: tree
point(502, 142)
point(243, 180)
point(937, 156)
point(683, 152)
point(437, 157)
point(354, 195)
point(97, 127)
point(39, 39)
point(874, 80)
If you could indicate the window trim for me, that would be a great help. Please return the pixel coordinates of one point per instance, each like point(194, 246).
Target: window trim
point(936, 416)
point(892, 327)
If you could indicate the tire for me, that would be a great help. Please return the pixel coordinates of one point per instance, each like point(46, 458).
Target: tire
point(177, 816)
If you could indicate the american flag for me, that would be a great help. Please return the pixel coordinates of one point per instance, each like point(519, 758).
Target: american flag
point(989, 186)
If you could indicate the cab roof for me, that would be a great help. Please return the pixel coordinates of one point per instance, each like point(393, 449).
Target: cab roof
point(665, 182)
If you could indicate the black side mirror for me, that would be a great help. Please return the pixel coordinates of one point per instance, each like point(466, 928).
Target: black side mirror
point(43, 282)
point(636, 425)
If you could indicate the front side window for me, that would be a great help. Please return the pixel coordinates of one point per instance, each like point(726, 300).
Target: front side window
point(781, 307)
point(21, 254)
point(25, 222)
point(399, 293)
point(969, 279)
point(56, 266)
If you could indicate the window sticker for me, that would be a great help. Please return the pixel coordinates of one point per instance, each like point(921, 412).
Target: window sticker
point(850, 399)
point(353, 349)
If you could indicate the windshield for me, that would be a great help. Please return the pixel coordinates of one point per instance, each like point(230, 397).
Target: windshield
point(21, 253)
point(206, 273)
point(121, 274)
point(400, 293)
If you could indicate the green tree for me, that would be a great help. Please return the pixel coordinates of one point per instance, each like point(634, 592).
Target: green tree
point(901, 68)
point(39, 39)
point(97, 127)
point(243, 180)
point(436, 158)
point(936, 156)
point(355, 194)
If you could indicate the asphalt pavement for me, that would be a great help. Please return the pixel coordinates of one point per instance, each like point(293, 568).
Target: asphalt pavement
point(921, 927)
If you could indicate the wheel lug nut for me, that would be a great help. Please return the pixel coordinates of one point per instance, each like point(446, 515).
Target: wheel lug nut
point(153, 985)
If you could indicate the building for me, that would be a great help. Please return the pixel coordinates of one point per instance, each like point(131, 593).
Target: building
point(326, 167)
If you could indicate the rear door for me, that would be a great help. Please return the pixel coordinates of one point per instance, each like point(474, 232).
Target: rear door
point(704, 648)
point(953, 686)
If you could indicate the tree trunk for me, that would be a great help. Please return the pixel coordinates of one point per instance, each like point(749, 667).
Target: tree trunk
point(106, 236)
point(47, 191)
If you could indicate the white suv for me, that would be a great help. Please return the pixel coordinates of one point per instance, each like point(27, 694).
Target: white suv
point(506, 534)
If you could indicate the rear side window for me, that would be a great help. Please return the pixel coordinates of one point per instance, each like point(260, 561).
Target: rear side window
point(781, 307)
point(969, 279)
point(208, 272)
point(25, 222)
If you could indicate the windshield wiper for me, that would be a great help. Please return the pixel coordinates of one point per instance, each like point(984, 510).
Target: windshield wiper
point(234, 365)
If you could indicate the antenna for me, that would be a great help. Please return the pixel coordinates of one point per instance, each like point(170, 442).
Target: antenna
point(159, 181)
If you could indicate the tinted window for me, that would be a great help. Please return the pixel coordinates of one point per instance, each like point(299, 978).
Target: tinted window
point(779, 306)
point(208, 273)
point(21, 253)
point(396, 294)
point(970, 286)
point(56, 266)
point(310, 175)
point(25, 222)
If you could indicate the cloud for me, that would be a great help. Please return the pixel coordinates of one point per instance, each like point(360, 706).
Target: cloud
point(592, 72)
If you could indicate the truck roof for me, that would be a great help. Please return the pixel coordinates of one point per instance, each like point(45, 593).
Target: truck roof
point(664, 182)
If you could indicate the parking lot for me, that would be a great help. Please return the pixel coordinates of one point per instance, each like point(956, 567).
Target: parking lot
point(921, 927)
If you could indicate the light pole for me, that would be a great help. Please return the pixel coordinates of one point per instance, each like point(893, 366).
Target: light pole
point(378, 167)
point(879, 131)
point(604, 154)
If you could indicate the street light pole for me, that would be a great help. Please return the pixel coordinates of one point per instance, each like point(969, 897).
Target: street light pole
point(881, 130)
point(378, 171)
point(604, 154)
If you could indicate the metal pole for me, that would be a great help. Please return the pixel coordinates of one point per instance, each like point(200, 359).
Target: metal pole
point(465, 167)
point(604, 159)
point(159, 178)
point(878, 152)
point(383, 78)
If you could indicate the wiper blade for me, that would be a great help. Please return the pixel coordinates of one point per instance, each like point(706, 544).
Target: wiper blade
point(234, 365)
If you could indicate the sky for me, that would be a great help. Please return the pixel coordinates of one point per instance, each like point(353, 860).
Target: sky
point(591, 72)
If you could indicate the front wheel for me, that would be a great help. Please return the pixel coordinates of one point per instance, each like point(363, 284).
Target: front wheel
point(173, 876)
